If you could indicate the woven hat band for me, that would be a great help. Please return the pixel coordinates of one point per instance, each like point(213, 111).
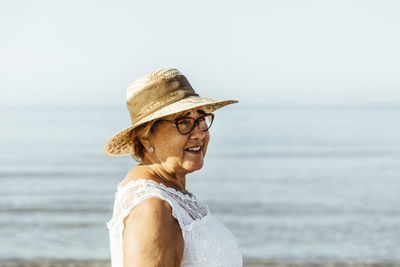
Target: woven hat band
point(158, 95)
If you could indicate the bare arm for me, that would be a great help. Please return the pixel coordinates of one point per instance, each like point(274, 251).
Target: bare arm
point(152, 237)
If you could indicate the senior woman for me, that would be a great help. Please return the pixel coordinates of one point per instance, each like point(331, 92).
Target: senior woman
point(156, 221)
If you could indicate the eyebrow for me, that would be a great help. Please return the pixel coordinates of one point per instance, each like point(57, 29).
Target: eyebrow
point(199, 111)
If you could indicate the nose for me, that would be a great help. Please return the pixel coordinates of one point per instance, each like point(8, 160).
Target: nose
point(197, 133)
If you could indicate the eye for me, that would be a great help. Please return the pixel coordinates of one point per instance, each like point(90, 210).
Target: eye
point(184, 122)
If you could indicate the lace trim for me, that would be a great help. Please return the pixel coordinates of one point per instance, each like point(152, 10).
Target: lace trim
point(193, 212)
point(192, 207)
point(145, 182)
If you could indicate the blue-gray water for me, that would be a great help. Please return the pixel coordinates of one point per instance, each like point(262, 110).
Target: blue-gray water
point(292, 182)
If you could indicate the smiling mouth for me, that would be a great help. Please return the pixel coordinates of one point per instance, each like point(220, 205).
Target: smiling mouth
point(195, 149)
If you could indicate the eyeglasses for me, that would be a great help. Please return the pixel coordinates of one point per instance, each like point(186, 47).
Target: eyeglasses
point(185, 125)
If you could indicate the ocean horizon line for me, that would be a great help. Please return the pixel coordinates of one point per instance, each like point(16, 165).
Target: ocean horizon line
point(242, 103)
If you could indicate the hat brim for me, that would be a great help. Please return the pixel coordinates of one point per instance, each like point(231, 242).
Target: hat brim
point(122, 144)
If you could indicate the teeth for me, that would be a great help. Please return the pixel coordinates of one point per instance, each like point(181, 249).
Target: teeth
point(194, 149)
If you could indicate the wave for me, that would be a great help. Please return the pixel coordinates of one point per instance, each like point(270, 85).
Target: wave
point(247, 263)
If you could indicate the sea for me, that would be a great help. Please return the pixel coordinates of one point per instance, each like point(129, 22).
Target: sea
point(294, 182)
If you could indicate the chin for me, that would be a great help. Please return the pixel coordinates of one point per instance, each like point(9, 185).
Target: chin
point(193, 166)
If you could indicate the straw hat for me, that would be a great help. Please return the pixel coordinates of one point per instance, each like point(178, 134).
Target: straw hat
point(155, 95)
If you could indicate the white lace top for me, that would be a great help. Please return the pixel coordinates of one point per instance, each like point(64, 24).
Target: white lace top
point(207, 241)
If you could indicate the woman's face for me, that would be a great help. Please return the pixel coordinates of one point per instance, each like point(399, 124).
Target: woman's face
point(172, 148)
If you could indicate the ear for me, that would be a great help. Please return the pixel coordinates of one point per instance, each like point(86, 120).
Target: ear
point(145, 142)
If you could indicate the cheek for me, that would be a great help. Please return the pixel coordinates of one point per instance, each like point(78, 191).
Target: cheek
point(205, 142)
point(172, 146)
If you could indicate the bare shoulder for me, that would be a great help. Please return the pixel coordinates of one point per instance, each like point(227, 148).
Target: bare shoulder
point(152, 236)
point(153, 210)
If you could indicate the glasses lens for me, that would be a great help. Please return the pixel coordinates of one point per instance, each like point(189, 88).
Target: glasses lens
point(205, 122)
point(185, 125)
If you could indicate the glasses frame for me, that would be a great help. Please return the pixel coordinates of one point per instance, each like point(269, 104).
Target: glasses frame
point(196, 122)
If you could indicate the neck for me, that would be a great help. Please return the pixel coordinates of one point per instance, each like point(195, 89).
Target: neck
point(175, 180)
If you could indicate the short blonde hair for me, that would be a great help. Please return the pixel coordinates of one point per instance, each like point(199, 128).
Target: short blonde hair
point(145, 130)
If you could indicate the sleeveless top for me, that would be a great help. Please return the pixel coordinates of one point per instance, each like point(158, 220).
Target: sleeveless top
point(207, 241)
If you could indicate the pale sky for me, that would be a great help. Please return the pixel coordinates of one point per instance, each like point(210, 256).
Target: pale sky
point(255, 51)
